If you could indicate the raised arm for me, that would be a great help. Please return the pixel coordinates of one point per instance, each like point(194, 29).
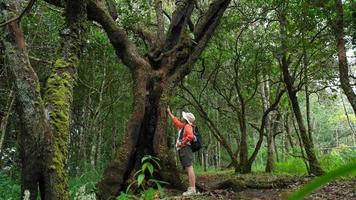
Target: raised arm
point(175, 120)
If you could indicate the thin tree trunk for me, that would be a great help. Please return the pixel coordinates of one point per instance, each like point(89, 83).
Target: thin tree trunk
point(353, 133)
point(214, 128)
point(265, 91)
point(244, 165)
point(275, 149)
point(5, 119)
point(160, 22)
point(292, 93)
point(301, 147)
point(306, 90)
point(338, 27)
point(288, 134)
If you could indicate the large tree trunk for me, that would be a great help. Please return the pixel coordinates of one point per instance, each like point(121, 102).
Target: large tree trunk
point(154, 74)
point(292, 93)
point(59, 96)
point(30, 108)
point(44, 131)
point(146, 136)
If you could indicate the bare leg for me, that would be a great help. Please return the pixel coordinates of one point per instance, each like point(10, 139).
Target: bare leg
point(191, 176)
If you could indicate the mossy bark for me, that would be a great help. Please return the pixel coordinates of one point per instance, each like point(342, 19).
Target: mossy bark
point(45, 123)
point(59, 96)
point(30, 107)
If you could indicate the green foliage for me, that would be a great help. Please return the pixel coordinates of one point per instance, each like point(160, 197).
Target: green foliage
point(291, 166)
point(320, 181)
point(87, 179)
point(338, 157)
point(145, 184)
point(9, 188)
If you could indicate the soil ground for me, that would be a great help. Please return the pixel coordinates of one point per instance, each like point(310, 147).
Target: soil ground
point(261, 186)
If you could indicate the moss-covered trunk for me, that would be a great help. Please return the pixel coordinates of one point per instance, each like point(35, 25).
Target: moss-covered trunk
point(30, 107)
point(146, 135)
point(59, 97)
point(45, 123)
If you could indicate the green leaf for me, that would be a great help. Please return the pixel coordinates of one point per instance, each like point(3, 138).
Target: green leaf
point(124, 196)
point(150, 168)
point(147, 157)
point(320, 181)
point(140, 179)
point(138, 172)
point(149, 194)
point(144, 166)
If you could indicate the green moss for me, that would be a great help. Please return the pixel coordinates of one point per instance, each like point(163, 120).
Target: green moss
point(64, 63)
point(39, 100)
point(61, 63)
point(59, 97)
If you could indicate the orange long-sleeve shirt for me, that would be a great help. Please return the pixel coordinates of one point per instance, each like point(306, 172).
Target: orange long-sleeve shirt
point(188, 131)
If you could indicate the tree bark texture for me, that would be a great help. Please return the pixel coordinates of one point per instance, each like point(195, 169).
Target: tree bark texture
point(45, 121)
point(4, 120)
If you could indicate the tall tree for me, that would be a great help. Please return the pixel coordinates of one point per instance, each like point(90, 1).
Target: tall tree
point(292, 93)
point(45, 120)
point(338, 28)
point(154, 75)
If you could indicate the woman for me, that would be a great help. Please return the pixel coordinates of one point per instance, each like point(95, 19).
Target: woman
point(185, 136)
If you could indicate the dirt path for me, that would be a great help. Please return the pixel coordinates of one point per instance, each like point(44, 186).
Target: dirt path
point(264, 187)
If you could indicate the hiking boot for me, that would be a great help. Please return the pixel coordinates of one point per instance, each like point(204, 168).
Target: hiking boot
point(190, 191)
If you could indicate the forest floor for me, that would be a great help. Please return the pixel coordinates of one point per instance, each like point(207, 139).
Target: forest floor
point(261, 186)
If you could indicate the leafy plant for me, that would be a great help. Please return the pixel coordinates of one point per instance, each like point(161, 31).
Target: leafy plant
point(144, 180)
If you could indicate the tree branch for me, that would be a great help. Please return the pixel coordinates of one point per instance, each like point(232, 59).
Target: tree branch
point(160, 22)
point(181, 15)
point(125, 49)
point(203, 32)
point(18, 18)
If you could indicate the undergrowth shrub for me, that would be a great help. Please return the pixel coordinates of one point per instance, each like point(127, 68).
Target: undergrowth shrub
point(9, 188)
point(291, 166)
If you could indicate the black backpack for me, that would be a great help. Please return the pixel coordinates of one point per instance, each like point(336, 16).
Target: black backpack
point(196, 144)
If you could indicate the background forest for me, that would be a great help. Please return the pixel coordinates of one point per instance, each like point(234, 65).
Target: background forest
point(267, 90)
